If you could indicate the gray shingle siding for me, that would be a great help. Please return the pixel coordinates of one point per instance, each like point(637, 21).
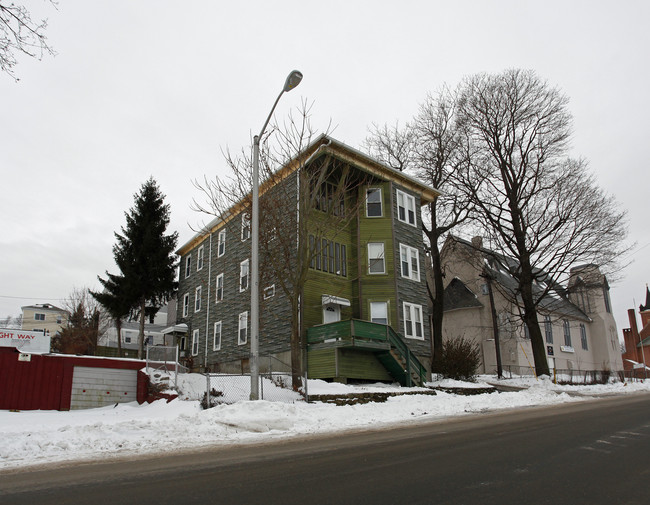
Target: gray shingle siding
point(409, 290)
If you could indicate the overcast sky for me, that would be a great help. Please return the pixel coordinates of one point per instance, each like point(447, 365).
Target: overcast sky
point(159, 88)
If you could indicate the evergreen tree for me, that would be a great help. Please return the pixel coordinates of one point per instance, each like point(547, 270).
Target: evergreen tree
point(145, 256)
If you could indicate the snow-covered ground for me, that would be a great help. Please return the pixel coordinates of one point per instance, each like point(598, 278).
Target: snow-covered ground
point(38, 437)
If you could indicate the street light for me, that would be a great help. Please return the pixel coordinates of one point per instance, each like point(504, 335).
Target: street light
point(293, 79)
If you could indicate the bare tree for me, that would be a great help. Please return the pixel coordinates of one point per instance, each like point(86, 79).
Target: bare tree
point(20, 34)
point(85, 324)
point(304, 199)
point(432, 148)
point(534, 204)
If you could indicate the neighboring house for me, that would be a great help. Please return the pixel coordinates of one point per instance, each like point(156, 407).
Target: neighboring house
point(153, 334)
point(44, 317)
point(576, 323)
point(637, 342)
point(363, 307)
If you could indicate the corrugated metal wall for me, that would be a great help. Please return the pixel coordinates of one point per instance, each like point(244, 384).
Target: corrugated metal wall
point(45, 382)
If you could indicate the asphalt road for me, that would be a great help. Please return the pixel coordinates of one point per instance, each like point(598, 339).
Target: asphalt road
point(594, 452)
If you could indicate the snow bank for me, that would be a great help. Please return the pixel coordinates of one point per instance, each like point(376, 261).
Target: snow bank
point(36, 437)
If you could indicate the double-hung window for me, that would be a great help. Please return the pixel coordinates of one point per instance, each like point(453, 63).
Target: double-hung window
point(567, 333)
point(199, 258)
point(197, 299)
point(195, 343)
point(39, 317)
point(413, 321)
point(243, 275)
point(410, 261)
point(373, 202)
point(219, 288)
point(406, 208)
point(188, 265)
point(216, 339)
point(379, 312)
point(221, 243)
point(245, 226)
point(548, 329)
point(376, 259)
point(243, 328)
point(583, 337)
point(186, 304)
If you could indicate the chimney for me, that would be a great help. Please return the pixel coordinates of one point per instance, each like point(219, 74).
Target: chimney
point(477, 242)
point(635, 334)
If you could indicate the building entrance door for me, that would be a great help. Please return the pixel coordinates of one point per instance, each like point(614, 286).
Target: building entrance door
point(331, 313)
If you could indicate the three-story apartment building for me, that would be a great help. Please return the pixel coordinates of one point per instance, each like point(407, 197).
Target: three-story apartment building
point(341, 264)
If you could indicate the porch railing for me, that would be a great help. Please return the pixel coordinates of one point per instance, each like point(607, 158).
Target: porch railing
point(355, 331)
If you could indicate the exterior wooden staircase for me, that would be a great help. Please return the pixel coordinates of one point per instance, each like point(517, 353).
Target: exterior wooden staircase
point(388, 347)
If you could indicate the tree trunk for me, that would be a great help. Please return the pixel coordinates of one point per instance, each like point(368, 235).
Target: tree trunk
point(296, 348)
point(536, 340)
point(141, 335)
point(118, 327)
point(437, 301)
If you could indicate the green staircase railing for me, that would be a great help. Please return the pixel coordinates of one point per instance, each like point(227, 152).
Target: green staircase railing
point(388, 345)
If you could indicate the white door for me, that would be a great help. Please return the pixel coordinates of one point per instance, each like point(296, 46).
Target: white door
point(331, 313)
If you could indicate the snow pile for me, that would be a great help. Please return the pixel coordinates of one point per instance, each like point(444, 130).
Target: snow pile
point(36, 437)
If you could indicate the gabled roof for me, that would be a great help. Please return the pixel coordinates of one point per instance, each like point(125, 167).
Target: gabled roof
point(499, 267)
point(323, 145)
point(44, 307)
point(458, 296)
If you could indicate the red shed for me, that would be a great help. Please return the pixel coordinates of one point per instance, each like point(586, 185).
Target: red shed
point(62, 382)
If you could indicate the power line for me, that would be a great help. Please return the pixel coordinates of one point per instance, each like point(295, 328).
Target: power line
point(32, 298)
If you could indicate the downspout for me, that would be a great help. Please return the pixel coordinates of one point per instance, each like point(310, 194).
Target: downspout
point(207, 304)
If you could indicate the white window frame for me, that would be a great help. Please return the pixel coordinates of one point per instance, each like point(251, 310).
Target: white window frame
point(408, 204)
point(382, 257)
point(197, 298)
point(411, 255)
point(269, 291)
point(195, 342)
point(381, 201)
point(199, 258)
point(245, 263)
point(243, 318)
point(245, 226)
point(39, 316)
point(373, 308)
point(188, 265)
point(217, 294)
point(216, 336)
point(411, 313)
point(221, 243)
point(186, 304)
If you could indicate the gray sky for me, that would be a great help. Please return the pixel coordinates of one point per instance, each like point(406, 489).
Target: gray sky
point(160, 88)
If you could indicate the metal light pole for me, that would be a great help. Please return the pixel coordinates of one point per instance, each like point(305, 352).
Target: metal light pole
point(293, 79)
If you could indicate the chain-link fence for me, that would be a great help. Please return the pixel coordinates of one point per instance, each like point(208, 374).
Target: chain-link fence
point(229, 388)
point(274, 386)
point(566, 376)
point(164, 359)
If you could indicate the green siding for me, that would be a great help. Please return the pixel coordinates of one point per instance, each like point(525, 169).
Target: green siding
point(322, 364)
point(378, 287)
point(361, 365)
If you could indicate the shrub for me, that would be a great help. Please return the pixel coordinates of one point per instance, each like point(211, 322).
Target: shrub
point(460, 359)
point(214, 399)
